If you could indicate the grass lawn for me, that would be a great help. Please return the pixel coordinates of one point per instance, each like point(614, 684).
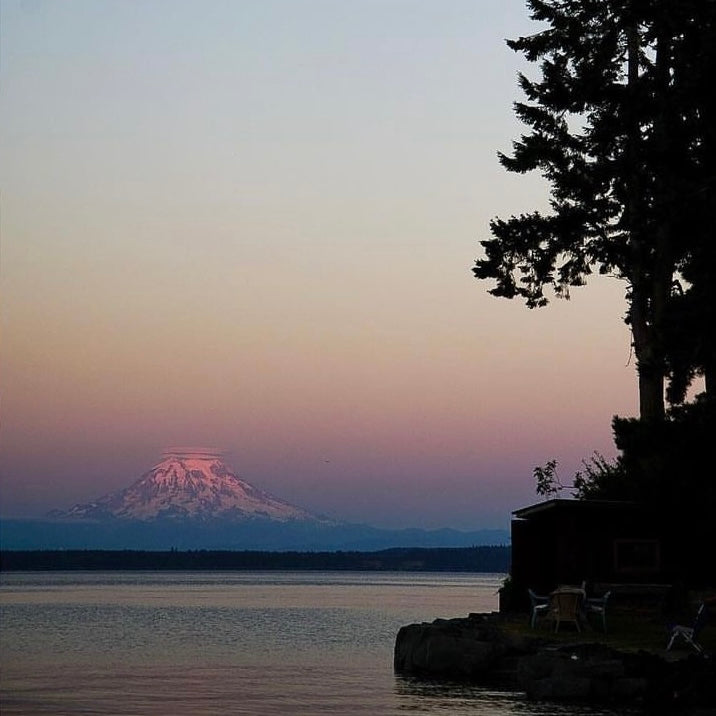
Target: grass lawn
point(627, 630)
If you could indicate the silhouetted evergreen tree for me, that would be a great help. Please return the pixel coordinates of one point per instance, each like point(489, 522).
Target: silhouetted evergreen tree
point(622, 127)
point(691, 327)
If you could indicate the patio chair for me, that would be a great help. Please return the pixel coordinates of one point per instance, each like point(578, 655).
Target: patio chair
point(564, 606)
point(689, 634)
point(598, 606)
point(539, 605)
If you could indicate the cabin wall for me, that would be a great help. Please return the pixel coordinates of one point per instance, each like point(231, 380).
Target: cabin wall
point(574, 543)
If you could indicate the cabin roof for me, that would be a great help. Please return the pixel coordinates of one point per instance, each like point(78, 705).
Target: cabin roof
point(575, 506)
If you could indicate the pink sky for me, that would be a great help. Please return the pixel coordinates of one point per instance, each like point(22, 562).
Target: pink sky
point(251, 225)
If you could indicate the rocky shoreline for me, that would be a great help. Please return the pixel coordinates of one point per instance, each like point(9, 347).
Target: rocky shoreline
point(477, 648)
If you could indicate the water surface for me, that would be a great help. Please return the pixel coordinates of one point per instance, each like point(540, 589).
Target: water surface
point(206, 643)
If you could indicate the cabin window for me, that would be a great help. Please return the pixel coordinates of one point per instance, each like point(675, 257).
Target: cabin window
point(637, 556)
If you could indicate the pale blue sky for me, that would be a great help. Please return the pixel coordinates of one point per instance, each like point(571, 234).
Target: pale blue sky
point(251, 225)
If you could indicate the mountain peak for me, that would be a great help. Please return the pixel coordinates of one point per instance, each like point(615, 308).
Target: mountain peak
point(191, 483)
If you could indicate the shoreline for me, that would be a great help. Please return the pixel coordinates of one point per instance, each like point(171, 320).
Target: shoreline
point(481, 650)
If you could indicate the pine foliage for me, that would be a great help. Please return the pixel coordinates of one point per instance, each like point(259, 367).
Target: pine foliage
point(621, 124)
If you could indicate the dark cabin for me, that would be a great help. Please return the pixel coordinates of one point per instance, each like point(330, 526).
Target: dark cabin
point(572, 541)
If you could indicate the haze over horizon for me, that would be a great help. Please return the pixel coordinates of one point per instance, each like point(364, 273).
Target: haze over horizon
point(251, 226)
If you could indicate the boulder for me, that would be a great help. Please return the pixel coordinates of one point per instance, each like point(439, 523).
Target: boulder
point(457, 648)
point(580, 672)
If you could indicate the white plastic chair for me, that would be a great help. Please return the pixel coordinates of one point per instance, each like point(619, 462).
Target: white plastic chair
point(540, 606)
point(598, 606)
point(689, 634)
point(564, 606)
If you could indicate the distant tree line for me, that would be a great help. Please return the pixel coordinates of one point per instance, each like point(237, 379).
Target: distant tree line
point(461, 559)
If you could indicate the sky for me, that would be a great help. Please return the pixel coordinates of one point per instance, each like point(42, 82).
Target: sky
point(250, 224)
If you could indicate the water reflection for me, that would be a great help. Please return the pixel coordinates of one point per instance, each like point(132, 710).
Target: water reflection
point(459, 698)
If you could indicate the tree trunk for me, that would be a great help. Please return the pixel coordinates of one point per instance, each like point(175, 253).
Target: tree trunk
point(643, 282)
point(661, 259)
point(649, 362)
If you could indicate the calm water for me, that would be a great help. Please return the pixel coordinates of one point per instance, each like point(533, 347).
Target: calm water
point(205, 643)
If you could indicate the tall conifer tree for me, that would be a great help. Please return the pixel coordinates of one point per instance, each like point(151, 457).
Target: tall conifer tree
point(617, 124)
point(691, 333)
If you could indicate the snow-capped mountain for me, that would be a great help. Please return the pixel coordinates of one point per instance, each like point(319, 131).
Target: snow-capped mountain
point(192, 500)
point(190, 483)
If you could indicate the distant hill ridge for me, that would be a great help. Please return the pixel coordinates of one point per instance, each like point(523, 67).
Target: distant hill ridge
point(267, 535)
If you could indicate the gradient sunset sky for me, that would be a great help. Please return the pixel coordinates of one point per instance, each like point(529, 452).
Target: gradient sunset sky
point(250, 224)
